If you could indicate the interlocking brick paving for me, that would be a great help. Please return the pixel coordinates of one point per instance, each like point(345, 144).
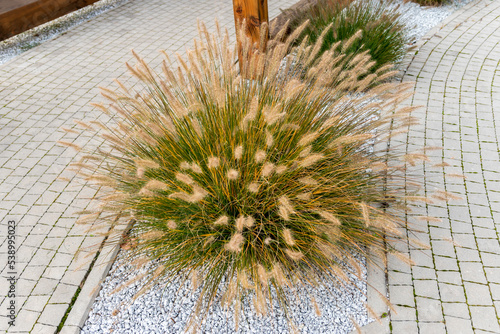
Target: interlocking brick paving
point(454, 286)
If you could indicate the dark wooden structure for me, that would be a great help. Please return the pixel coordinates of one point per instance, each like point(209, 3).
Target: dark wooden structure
point(255, 13)
point(17, 16)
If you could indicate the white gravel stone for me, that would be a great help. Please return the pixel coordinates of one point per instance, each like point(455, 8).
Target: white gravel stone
point(167, 309)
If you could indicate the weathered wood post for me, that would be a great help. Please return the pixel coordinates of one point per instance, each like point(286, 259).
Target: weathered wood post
point(254, 12)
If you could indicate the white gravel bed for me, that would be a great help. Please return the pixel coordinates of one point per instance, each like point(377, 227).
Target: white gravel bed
point(422, 19)
point(167, 309)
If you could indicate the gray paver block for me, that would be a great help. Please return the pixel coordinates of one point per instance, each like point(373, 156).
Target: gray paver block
point(401, 313)
point(490, 260)
point(446, 263)
point(44, 286)
point(426, 288)
point(409, 327)
point(484, 318)
point(472, 272)
point(44, 329)
point(429, 309)
point(432, 327)
point(467, 255)
point(28, 320)
point(402, 295)
point(451, 293)
point(62, 292)
point(478, 294)
point(458, 325)
point(36, 303)
point(423, 273)
point(52, 314)
point(456, 310)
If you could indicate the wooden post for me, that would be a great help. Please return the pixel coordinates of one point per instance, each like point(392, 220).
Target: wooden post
point(254, 12)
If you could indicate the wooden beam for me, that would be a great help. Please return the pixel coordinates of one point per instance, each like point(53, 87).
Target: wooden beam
point(254, 12)
point(17, 16)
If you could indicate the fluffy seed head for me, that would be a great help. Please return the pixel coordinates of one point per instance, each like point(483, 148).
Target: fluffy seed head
point(143, 163)
point(234, 245)
point(185, 165)
point(365, 211)
point(263, 275)
point(308, 181)
point(267, 169)
point(249, 222)
point(156, 185)
point(240, 223)
point(171, 224)
point(213, 162)
point(196, 168)
point(310, 160)
point(222, 220)
point(280, 169)
point(269, 139)
point(287, 235)
point(238, 152)
point(260, 156)
point(294, 255)
point(306, 196)
point(232, 174)
point(307, 139)
point(184, 178)
point(152, 235)
point(253, 187)
point(329, 217)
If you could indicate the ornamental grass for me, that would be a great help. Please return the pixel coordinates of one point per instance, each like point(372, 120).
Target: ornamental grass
point(254, 184)
point(377, 22)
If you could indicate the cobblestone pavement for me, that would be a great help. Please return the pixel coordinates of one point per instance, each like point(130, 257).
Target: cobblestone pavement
point(454, 287)
point(44, 89)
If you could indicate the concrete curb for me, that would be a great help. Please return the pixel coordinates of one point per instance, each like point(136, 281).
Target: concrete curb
point(81, 308)
point(376, 291)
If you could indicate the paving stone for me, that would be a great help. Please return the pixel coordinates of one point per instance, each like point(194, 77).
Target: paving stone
point(467, 255)
point(456, 310)
point(451, 293)
point(62, 292)
point(446, 263)
point(402, 295)
point(55, 273)
point(44, 286)
point(426, 288)
point(404, 327)
point(490, 260)
point(452, 277)
point(397, 278)
point(478, 294)
point(429, 309)
point(52, 314)
point(495, 292)
point(443, 248)
point(423, 273)
point(458, 325)
point(44, 329)
point(422, 258)
point(484, 318)
point(36, 303)
point(402, 313)
point(472, 272)
point(432, 327)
